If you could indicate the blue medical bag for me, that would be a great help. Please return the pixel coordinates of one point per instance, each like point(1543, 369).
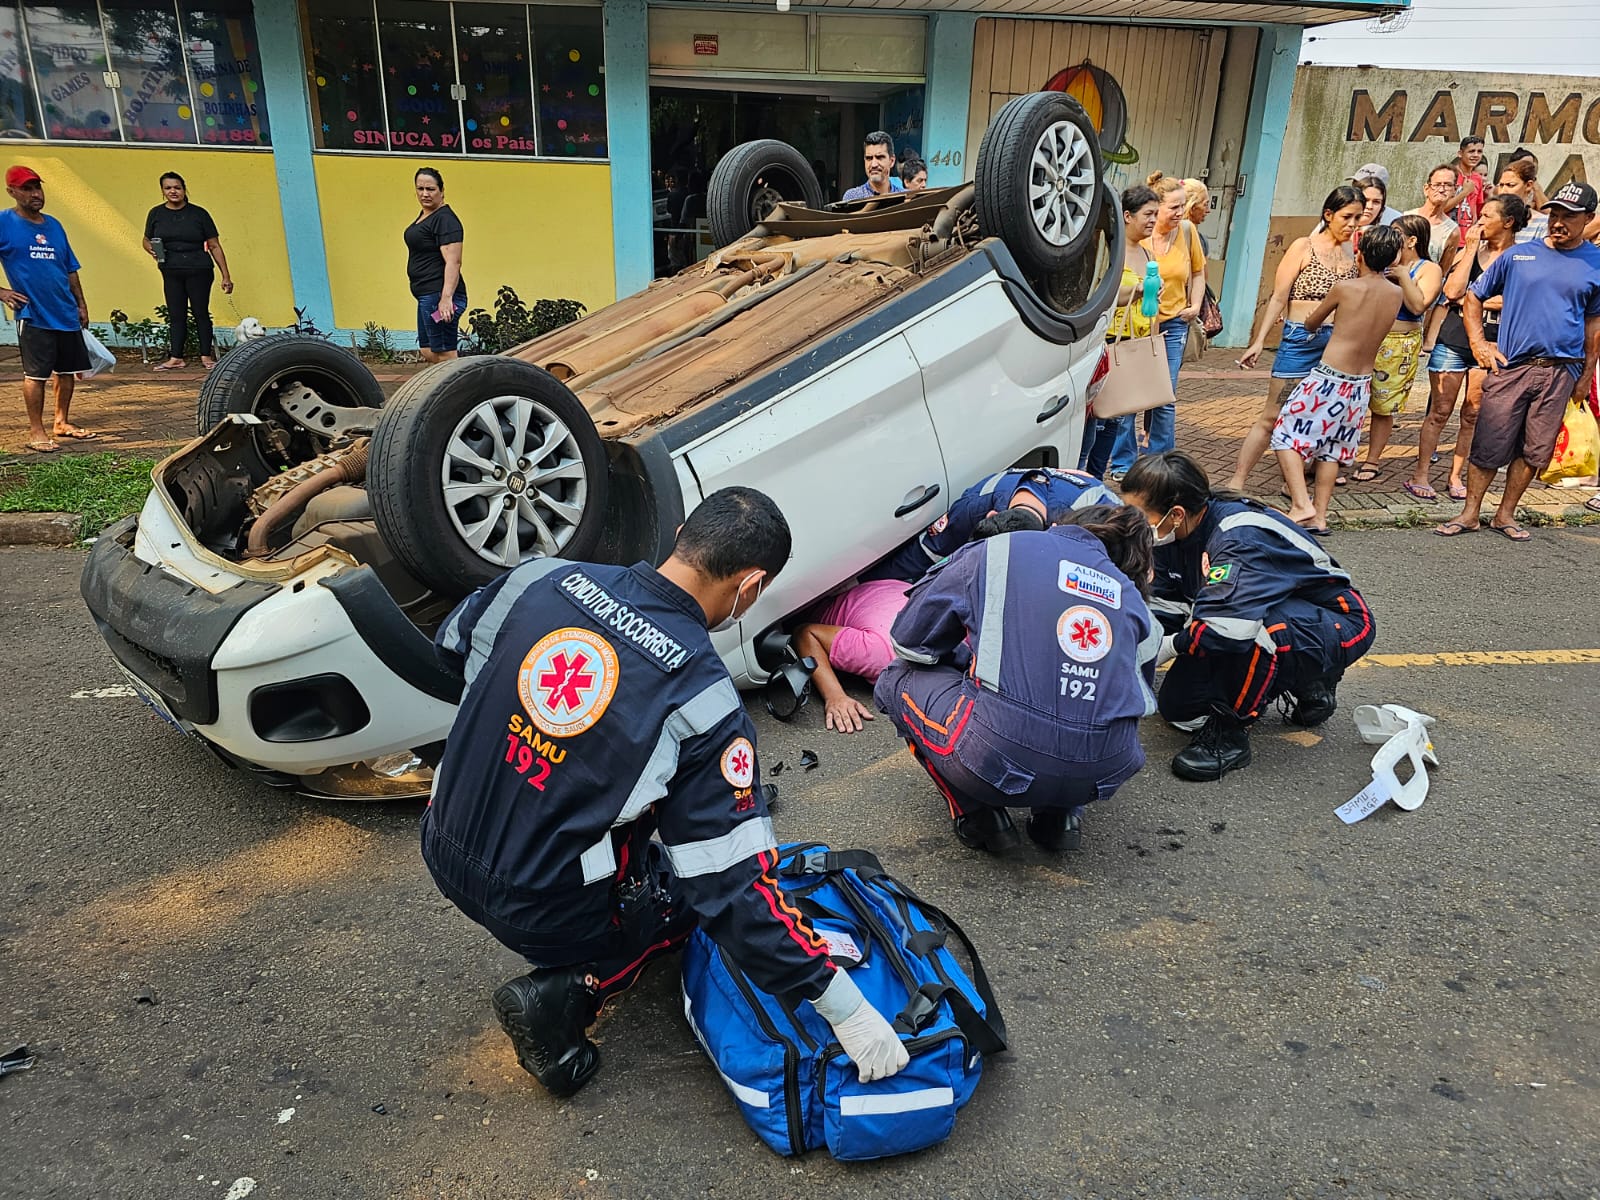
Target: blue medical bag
point(779, 1059)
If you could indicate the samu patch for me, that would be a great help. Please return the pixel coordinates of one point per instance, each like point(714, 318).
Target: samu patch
point(1221, 573)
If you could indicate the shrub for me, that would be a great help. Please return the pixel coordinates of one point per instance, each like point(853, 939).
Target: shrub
point(513, 322)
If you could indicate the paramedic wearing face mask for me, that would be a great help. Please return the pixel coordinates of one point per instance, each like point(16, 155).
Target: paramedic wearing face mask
point(596, 713)
point(1254, 609)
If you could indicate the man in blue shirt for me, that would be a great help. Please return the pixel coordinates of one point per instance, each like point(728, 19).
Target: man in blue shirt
point(1549, 339)
point(45, 295)
point(878, 153)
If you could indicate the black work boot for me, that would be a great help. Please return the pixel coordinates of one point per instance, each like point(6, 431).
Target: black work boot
point(1314, 703)
point(545, 1013)
point(987, 829)
point(1221, 745)
point(1056, 829)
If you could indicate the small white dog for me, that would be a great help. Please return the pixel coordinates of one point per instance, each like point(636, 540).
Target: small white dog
point(247, 329)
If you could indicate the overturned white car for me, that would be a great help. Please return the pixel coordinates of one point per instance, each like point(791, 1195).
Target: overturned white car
point(861, 363)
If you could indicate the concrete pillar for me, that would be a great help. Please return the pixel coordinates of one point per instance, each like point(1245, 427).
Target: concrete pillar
point(288, 87)
point(1277, 57)
point(947, 96)
point(628, 142)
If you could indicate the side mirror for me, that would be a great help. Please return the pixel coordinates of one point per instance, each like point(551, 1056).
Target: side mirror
point(789, 687)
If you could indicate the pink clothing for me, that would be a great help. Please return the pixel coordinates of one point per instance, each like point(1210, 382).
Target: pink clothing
point(864, 615)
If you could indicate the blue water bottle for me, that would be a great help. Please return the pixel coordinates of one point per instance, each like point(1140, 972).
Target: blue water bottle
point(1150, 303)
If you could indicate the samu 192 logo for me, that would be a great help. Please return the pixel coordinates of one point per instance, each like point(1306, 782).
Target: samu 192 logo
point(567, 680)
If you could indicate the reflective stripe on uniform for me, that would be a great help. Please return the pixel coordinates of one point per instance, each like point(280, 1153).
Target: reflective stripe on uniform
point(1301, 542)
point(718, 854)
point(1149, 650)
point(1238, 629)
point(1173, 608)
point(701, 714)
point(991, 627)
point(488, 626)
point(1099, 494)
point(900, 651)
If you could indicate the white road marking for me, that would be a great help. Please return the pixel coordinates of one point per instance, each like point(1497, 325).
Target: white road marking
point(117, 691)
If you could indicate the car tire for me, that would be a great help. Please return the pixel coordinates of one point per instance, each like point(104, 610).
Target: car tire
point(748, 179)
point(1036, 142)
point(248, 376)
point(438, 428)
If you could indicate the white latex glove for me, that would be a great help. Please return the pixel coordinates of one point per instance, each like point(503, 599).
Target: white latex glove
point(1167, 652)
point(863, 1034)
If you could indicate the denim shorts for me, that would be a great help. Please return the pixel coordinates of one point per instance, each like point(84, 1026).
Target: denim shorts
point(1447, 358)
point(1299, 351)
point(441, 337)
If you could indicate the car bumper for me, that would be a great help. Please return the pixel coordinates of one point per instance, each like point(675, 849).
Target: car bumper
point(277, 676)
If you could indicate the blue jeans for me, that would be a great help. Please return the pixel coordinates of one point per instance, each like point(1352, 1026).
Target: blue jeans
point(1099, 435)
point(1162, 422)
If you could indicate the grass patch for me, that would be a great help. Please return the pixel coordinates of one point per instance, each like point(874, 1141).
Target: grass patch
point(100, 488)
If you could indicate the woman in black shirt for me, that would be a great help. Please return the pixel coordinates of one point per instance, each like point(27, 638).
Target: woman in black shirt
point(433, 267)
point(183, 240)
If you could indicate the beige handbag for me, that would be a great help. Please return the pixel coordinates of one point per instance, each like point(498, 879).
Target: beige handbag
point(1139, 378)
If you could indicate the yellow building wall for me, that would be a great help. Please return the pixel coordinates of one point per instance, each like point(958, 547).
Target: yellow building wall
point(101, 195)
point(542, 228)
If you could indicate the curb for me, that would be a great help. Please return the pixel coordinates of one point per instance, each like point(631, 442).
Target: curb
point(1415, 517)
point(39, 529)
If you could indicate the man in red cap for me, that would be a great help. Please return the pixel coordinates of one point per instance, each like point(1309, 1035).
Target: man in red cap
point(47, 299)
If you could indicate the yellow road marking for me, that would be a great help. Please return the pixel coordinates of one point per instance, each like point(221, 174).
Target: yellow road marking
point(1482, 658)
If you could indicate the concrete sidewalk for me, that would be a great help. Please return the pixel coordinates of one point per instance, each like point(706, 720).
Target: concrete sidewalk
point(137, 411)
point(1217, 404)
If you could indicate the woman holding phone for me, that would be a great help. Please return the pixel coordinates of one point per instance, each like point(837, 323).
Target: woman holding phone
point(433, 268)
point(183, 240)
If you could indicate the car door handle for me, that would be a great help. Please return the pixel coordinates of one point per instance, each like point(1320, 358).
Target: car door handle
point(1053, 408)
point(911, 506)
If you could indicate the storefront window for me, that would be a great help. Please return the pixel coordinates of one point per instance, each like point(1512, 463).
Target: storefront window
point(132, 71)
point(225, 65)
point(496, 78)
point(19, 108)
point(571, 80)
point(69, 60)
point(418, 71)
point(479, 77)
point(154, 97)
point(348, 100)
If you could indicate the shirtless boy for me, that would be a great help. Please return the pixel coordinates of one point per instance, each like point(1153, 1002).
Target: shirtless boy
point(1321, 419)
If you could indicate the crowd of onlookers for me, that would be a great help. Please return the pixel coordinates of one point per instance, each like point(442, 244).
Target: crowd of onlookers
point(1368, 299)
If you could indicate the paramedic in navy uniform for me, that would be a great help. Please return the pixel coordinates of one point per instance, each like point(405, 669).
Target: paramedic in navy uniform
point(596, 712)
point(1047, 492)
point(1254, 609)
point(1024, 663)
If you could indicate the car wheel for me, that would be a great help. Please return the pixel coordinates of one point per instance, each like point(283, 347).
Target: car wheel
point(251, 377)
point(480, 464)
point(1038, 181)
point(750, 180)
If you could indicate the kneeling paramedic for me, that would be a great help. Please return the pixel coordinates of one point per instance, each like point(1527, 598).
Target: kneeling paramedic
point(1254, 609)
point(1025, 662)
point(596, 712)
point(1039, 496)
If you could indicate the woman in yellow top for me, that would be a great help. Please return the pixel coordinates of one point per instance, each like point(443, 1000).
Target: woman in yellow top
point(1139, 205)
point(1175, 246)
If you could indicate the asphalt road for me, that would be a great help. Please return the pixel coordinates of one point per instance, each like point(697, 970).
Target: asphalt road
point(1227, 993)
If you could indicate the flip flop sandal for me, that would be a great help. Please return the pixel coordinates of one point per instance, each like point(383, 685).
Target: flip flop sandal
point(1592, 504)
point(77, 435)
point(43, 447)
point(1510, 532)
point(1317, 530)
point(1366, 474)
point(1423, 492)
point(1460, 493)
point(1455, 529)
point(165, 367)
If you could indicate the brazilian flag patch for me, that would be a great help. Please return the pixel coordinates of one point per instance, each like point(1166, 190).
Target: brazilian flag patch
point(1221, 573)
